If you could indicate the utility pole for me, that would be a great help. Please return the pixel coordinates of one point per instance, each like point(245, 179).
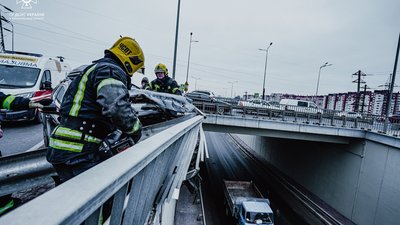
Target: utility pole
point(392, 85)
point(359, 81)
point(363, 101)
point(176, 40)
point(2, 48)
point(2, 18)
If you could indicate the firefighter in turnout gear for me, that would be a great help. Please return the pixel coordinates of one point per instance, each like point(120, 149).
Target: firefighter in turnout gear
point(95, 105)
point(164, 83)
point(14, 103)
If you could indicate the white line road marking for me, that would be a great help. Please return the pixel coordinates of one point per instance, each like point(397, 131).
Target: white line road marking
point(36, 146)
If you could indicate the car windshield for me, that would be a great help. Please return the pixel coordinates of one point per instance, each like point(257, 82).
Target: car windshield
point(17, 76)
point(259, 218)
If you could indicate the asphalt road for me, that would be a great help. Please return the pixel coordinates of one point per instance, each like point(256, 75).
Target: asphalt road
point(20, 137)
point(227, 162)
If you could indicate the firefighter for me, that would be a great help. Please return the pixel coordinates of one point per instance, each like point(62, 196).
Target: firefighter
point(163, 83)
point(14, 103)
point(145, 83)
point(95, 105)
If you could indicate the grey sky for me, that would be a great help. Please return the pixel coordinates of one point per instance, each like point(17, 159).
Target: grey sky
point(350, 34)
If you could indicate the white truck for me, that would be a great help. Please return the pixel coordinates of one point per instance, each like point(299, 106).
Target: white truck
point(29, 75)
point(246, 204)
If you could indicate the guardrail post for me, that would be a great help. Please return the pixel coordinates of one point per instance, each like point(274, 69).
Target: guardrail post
point(344, 121)
point(332, 119)
point(356, 122)
point(320, 118)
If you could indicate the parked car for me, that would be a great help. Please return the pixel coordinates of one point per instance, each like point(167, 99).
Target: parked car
point(259, 103)
point(208, 103)
point(258, 107)
point(201, 95)
point(349, 114)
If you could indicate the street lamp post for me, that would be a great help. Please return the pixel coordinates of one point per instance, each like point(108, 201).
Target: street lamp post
point(232, 82)
point(319, 74)
point(265, 68)
point(176, 39)
point(195, 82)
point(187, 71)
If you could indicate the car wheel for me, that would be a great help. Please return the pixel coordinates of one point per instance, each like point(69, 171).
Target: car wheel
point(47, 130)
point(38, 116)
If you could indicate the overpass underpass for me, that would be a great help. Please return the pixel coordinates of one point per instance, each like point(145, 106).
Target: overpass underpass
point(354, 171)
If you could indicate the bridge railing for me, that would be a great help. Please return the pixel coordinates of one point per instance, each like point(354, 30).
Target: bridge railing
point(139, 182)
point(319, 117)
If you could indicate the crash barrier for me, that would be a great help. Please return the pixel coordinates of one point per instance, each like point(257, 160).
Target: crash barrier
point(30, 169)
point(293, 114)
point(22, 171)
point(143, 183)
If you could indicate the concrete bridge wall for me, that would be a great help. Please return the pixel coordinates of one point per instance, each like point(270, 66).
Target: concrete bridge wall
point(360, 179)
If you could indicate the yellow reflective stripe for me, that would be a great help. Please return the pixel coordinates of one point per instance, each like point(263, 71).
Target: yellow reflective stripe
point(76, 104)
point(156, 87)
point(66, 145)
point(69, 133)
point(109, 81)
point(174, 90)
point(7, 102)
point(89, 138)
point(136, 127)
point(9, 205)
point(74, 134)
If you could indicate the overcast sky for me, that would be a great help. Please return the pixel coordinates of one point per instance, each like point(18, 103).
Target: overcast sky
point(351, 34)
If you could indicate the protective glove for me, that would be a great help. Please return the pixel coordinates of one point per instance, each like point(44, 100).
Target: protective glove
point(35, 105)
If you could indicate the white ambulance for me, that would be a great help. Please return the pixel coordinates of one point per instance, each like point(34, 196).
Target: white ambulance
point(29, 75)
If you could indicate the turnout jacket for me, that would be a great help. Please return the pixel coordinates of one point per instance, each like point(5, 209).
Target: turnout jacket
point(95, 104)
point(166, 85)
point(13, 102)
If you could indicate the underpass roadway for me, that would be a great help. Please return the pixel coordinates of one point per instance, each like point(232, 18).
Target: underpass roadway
point(231, 159)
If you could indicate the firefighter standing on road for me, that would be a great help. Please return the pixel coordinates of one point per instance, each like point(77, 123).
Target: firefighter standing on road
point(95, 105)
point(13, 103)
point(164, 83)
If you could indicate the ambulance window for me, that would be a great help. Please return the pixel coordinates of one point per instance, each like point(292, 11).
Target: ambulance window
point(46, 76)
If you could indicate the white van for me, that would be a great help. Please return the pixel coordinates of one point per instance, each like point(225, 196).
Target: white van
point(300, 106)
point(29, 75)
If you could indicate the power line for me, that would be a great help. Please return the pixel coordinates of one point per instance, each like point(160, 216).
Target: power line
point(56, 44)
point(64, 29)
point(53, 32)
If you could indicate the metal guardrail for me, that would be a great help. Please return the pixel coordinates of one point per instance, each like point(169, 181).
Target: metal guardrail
point(148, 175)
point(29, 169)
point(318, 117)
point(23, 171)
